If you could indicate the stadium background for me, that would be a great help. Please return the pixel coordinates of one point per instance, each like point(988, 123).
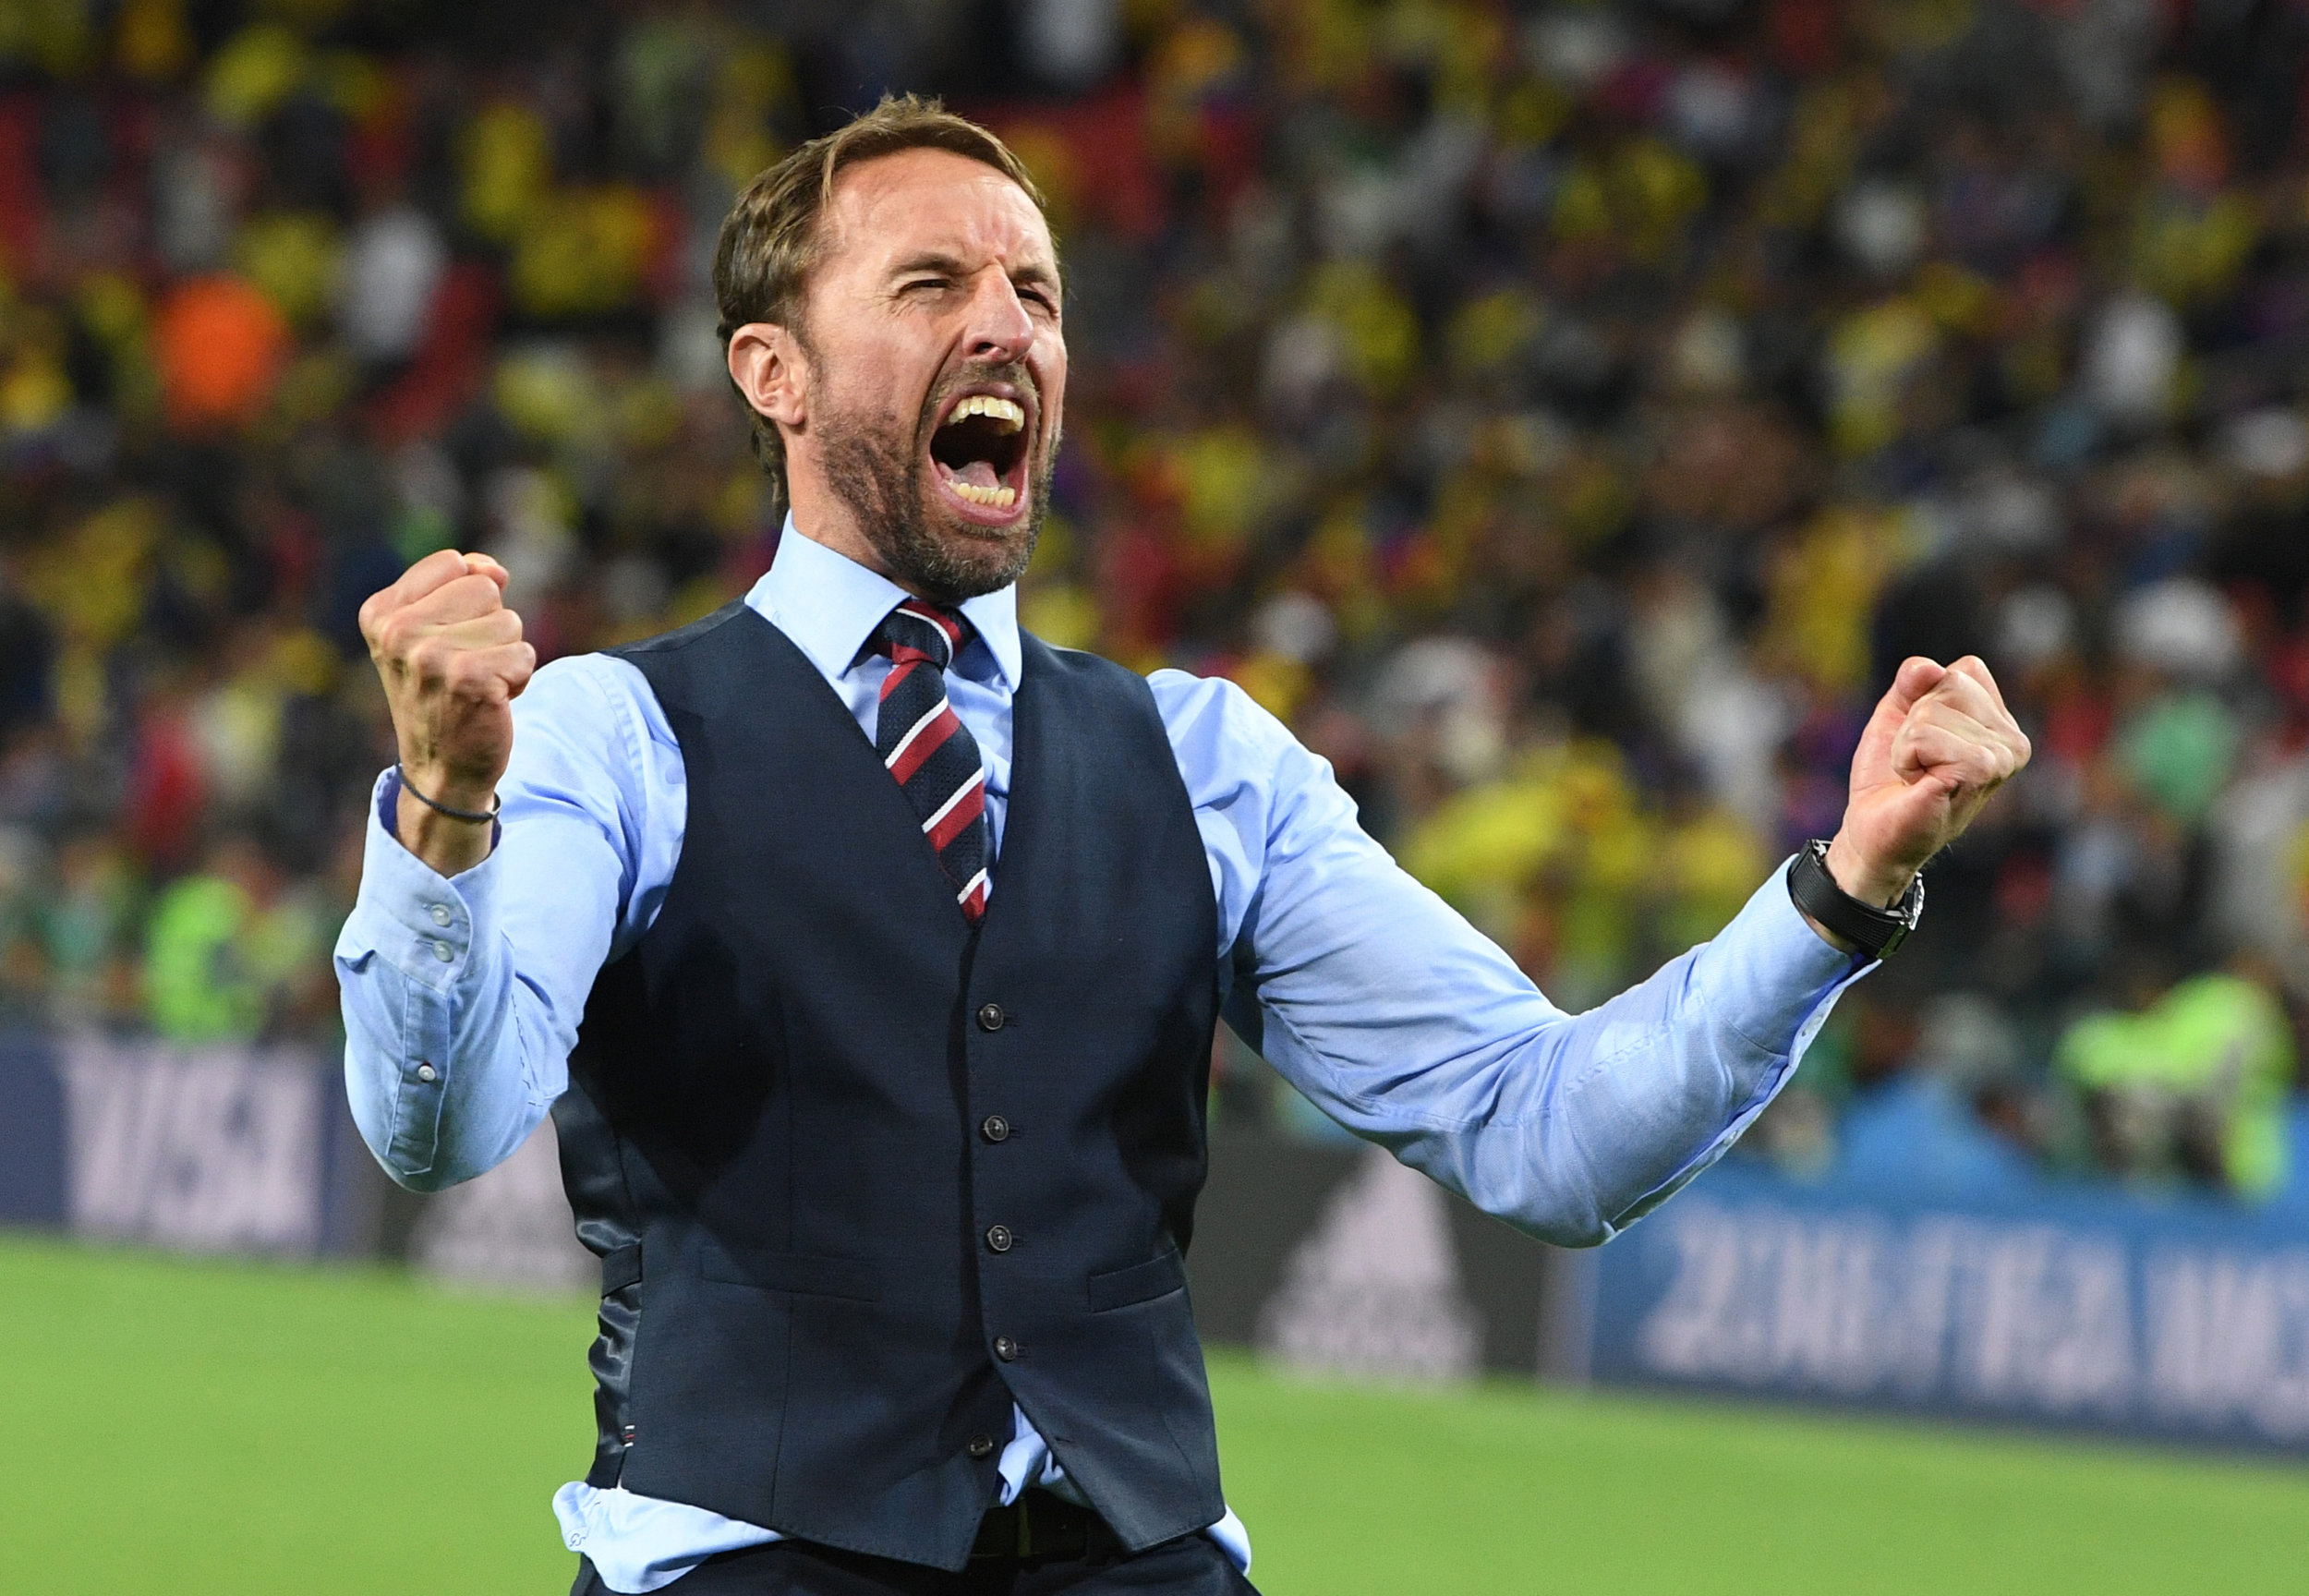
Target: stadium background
point(1563, 414)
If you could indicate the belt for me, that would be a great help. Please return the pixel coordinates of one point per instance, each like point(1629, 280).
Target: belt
point(1039, 1525)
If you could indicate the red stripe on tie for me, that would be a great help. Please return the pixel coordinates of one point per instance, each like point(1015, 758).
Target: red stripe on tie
point(974, 901)
point(926, 741)
point(952, 629)
point(899, 672)
point(966, 807)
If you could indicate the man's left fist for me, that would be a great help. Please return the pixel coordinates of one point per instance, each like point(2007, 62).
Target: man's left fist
point(1938, 743)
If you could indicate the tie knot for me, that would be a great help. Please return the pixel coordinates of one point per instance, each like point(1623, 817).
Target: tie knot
point(928, 630)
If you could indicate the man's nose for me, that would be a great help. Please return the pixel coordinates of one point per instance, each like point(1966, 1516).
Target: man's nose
point(999, 328)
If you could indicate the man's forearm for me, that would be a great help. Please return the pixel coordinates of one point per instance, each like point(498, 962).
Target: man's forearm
point(1732, 1019)
point(444, 1074)
point(1569, 1127)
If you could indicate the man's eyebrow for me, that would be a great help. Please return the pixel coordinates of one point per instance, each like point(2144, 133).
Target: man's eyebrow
point(951, 266)
point(928, 261)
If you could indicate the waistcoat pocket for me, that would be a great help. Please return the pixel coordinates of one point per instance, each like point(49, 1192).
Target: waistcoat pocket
point(1158, 1276)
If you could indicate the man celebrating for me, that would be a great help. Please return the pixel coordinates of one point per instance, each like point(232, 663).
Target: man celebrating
point(868, 951)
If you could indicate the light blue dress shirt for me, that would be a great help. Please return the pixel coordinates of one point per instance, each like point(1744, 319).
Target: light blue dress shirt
point(462, 997)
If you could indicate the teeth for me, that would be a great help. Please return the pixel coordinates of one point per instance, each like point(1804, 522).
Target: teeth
point(1003, 497)
point(1012, 414)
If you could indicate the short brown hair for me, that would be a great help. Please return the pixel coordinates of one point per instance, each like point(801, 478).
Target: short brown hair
point(769, 239)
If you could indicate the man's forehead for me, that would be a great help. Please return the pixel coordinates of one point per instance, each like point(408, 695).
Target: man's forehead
point(918, 200)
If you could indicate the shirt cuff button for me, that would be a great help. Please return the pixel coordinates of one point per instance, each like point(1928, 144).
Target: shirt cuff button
point(443, 951)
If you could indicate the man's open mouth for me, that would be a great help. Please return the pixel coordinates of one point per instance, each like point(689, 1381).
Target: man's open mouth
point(979, 454)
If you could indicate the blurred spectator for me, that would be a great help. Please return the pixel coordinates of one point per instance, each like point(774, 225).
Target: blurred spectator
point(2191, 1088)
point(232, 949)
point(85, 927)
point(1954, 1115)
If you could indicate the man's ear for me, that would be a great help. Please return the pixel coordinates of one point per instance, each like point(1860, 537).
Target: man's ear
point(767, 364)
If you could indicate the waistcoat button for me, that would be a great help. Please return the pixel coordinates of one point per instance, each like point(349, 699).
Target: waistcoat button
point(998, 1238)
point(990, 1017)
point(995, 1127)
point(1006, 1349)
point(981, 1445)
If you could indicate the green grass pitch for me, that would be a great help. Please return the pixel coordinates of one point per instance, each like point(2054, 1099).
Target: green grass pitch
point(192, 1427)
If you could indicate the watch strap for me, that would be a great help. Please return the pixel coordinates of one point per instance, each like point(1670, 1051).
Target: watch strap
point(1878, 933)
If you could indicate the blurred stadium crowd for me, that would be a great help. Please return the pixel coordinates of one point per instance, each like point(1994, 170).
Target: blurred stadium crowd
point(1563, 415)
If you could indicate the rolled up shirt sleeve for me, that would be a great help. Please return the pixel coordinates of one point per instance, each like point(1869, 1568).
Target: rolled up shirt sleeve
point(462, 996)
point(1404, 1024)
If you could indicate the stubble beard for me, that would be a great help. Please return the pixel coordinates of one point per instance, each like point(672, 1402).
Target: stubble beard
point(883, 475)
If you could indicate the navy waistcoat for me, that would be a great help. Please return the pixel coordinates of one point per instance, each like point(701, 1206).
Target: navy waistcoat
point(861, 1176)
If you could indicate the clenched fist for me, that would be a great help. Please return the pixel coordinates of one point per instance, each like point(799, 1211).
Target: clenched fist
point(453, 661)
point(1938, 743)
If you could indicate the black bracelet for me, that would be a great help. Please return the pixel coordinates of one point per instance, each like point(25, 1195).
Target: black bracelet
point(475, 816)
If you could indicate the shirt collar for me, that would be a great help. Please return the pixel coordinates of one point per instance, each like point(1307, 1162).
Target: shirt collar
point(829, 604)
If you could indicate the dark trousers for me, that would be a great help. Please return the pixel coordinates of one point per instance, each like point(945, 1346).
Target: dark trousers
point(1190, 1565)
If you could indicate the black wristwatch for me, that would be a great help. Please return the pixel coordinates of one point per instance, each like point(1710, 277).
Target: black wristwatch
point(1878, 933)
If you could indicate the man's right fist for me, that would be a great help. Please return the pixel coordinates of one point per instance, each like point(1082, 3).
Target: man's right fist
point(453, 661)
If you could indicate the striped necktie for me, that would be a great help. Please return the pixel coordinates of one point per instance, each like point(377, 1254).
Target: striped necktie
point(927, 749)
